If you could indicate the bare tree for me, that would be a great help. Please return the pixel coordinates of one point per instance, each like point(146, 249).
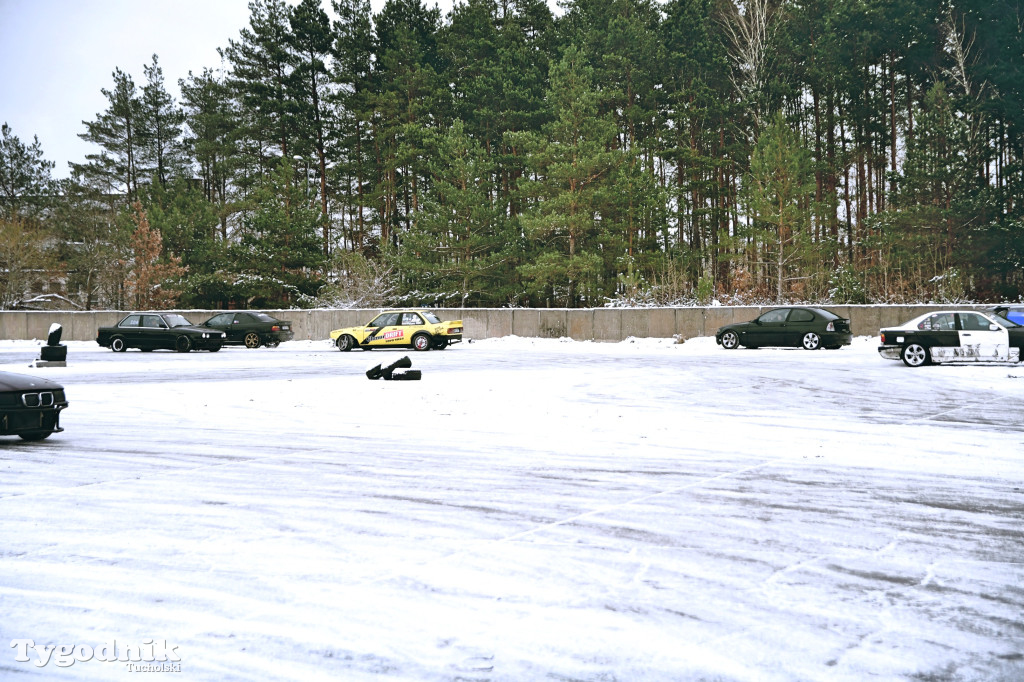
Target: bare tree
point(750, 27)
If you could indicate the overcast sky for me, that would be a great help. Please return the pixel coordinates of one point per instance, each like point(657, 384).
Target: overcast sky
point(56, 55)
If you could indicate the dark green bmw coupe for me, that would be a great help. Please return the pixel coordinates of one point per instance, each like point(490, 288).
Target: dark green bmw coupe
point(810, 328)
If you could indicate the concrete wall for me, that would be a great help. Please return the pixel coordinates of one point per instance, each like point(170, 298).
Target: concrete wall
point(599, 324)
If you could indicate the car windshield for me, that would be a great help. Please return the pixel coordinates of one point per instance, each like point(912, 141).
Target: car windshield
point(177, 321)
point(431, 318)
point(1002, 321)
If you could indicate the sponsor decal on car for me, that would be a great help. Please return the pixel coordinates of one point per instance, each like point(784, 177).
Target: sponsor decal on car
point(393, 334)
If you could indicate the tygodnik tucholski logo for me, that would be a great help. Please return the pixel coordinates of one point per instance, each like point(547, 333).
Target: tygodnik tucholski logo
point(149, 656)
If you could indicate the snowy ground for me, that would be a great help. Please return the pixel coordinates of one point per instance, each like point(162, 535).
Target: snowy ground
point(531, 509)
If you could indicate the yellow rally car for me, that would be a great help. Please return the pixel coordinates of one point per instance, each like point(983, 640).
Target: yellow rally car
point(418, 329)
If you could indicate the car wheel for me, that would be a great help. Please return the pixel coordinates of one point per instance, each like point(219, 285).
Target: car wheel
point(183, 344)
point(915, 355)
point(35, 435)
point(215, 349)
point(730, 340)
point(344, 343)
point(117, 345)
point(811, 341)
point(421, 342)
point(252, 340)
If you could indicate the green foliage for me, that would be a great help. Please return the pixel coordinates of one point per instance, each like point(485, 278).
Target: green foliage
point(276, 260)
point(625, 151)
point(25, 177)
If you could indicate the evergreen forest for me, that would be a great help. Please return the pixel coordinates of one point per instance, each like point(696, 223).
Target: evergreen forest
point(613, 153)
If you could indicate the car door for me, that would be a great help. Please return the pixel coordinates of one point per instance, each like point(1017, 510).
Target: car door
point(221, 322)
point(981, 339)
point(384, 330)
point(798, 323)
point(129, 330)
point(240, 326)
point(769, 329)
point(155, 333)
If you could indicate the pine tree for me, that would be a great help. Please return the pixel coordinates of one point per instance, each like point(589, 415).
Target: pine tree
point(26, 183)
point(118, 133)
point(277, 258)
point(573, 164)
point(162, 151)
point(353, 97)
point(311, 44)
point(261, 70)
point(212, 139)
point(777, 189)
point(456, 253)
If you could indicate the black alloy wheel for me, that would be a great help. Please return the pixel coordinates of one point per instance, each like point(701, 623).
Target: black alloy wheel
point(117, 344)
point(183, 344)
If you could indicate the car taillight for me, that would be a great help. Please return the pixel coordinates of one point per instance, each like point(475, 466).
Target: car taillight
point(455, 330)
point(882, 337)
point(275, 328)
point(830, 327)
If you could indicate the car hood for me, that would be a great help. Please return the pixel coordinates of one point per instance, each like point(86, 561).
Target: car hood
point(740, 326)
point(197, 328)
point(22, 382)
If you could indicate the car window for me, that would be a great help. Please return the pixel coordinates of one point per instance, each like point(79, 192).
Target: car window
point(243, 318)
point(411, 318)
point(131, 321)
point(177, 321)
point(775, 315)
point(262, 317)
point(217, 320)
point(153, 321)
point(385, 320)
point(973, 322)
point(939, 322)
point(432, 318)
point(801, 316)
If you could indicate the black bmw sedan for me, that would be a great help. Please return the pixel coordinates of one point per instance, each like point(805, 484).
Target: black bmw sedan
point(810, 328)
point(150, 331)
point(30, 407)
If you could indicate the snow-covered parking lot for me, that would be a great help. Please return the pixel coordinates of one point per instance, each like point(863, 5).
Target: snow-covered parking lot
point(531, 509)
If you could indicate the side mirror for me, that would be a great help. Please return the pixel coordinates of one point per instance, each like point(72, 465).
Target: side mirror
point(994, 327)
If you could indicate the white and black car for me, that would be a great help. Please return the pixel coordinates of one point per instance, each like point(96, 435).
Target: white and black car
point(953, 336)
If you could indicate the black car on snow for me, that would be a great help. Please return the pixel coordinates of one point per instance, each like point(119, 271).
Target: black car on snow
point(150, 331)
point(953, 336)
point(30, 407)
point(810, 328)
point(251, 329)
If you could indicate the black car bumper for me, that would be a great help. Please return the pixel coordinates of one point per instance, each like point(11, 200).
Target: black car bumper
point(16, 421)
point(836, 339)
